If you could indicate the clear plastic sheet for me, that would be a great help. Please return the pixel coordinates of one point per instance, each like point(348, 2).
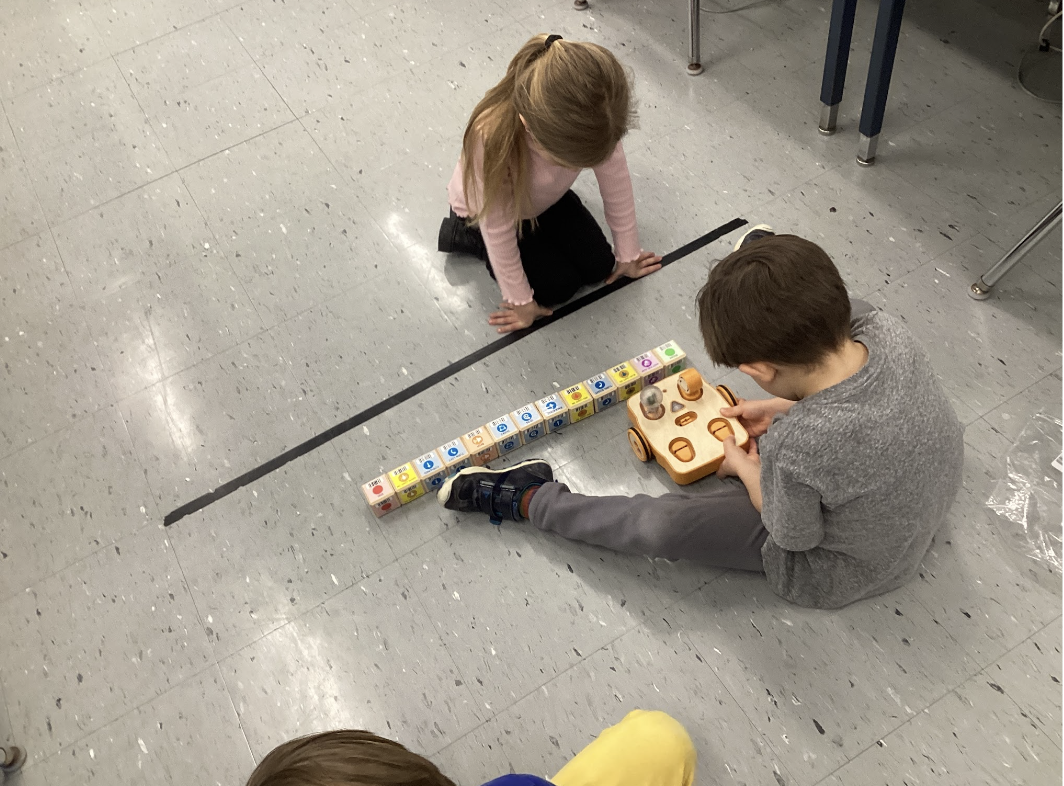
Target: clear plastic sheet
point(1027, 501)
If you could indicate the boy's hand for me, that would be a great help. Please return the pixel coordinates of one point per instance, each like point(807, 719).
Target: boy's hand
point(739, 462)
point(643, 265)
point(510, 317)
point(756, 415)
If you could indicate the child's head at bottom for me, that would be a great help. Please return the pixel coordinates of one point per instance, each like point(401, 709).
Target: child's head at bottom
point(776, 309)
point(345, 758)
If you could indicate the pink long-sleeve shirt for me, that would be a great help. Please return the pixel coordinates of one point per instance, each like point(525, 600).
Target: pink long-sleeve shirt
point(549, 182)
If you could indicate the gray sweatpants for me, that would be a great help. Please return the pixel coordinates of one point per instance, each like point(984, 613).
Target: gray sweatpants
point(714, 524)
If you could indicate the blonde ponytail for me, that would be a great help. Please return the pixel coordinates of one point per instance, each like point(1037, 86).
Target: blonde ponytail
point(575, 98)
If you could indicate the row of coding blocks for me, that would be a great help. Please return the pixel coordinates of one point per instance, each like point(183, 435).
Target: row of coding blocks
point(509, 432)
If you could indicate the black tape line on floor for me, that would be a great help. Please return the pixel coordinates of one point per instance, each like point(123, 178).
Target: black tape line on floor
point(422, 385)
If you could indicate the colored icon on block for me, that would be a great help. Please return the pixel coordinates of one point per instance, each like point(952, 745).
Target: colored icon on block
point(481, 446)
point(554, 411)
point(507, 437)
point(529, 422)
point(603, 391)
point(626, 379)
point(672, 358)
point(431, 470)
point(578, 400)
point(455, 456)
point(649, 368)
point(407, 484)
point(381, 496)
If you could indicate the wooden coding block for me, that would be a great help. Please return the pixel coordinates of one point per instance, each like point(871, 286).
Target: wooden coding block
point(381, 496)
point(455, 456)
point(672, 358)
point(431, 469)
point(530, 423)
point(578, 400)
point(603, 391)
point(627, 380)
point(506, 434)
point(481, 446)
point(554, 411)
point(649, 368)
point(407, 484)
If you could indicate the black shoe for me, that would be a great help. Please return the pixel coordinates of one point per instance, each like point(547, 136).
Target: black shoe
point(457, 237)
point(754, 233)
point(496, 492)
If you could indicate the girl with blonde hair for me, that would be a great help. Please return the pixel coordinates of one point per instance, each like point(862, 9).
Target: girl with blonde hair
point(562, 107)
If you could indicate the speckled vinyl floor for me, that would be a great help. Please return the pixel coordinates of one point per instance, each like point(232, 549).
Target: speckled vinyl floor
point(217, 239)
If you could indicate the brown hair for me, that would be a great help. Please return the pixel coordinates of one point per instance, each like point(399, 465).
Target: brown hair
point(345, 758)
point(779, 299)
point(576, 100)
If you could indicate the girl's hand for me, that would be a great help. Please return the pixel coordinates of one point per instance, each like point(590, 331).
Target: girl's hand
point(737, 460)
point(643, 265)
point(510, 317)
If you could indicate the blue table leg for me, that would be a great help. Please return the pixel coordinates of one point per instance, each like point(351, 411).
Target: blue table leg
point(838, 54)
point(884, 47)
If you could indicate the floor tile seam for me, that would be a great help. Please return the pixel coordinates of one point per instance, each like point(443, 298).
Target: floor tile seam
point(158, 110)
point(153, 39)
point(951, 691)
point(828, 168)
point(705, 584)
point(64, 219)
point(920, 189)
point(258, 67)
point(135, 532)
point(1022, 711)
point(63, 419)
point(33, 186)
point(4, 599)
point(236, 713)
point(219, 659)
point(84, 734)
point(976, 659)
point(62, 75)
point(66, 425)
point(97, 127)
point(781, 760)
point(497, 712)
point(466, 685)
point(983, 415)
point(203, 216)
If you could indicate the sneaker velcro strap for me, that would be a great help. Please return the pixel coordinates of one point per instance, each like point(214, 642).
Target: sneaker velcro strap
point(504, 501)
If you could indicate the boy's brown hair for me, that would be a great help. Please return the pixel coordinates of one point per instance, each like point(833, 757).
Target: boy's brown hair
point(779, 299)
point(345, 758)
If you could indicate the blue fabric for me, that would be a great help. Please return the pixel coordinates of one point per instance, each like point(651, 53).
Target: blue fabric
point(519, 780)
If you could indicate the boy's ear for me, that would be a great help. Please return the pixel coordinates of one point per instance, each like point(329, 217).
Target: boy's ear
point(761, 372)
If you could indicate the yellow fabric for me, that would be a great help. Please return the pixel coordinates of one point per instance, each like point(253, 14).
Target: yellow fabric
point(644, 749)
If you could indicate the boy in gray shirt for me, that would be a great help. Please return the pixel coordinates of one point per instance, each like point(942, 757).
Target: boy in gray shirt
point(856, 462)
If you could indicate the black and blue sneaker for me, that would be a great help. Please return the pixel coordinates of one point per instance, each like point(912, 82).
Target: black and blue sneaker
point(754, 234)
point(497, 492)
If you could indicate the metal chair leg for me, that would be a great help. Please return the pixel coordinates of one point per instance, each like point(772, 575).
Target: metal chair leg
point(694, 62)
point(839, 35)
point(880, 68)
point(982, 288)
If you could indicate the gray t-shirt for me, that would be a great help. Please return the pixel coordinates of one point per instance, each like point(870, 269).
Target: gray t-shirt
point(856, 479)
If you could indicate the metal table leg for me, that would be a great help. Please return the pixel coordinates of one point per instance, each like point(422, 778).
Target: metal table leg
point(838, 55)
point(694, 62)
point(982, 288)
point(884, 47)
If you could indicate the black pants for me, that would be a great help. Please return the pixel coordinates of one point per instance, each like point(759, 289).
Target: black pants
point(566, 250)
